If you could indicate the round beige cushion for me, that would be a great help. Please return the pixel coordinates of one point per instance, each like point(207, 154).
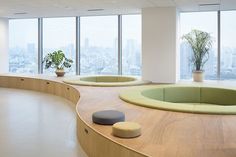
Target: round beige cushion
point(126, 129)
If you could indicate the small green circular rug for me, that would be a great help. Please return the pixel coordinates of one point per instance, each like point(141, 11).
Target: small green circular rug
point(193, 99)
point(105, 81)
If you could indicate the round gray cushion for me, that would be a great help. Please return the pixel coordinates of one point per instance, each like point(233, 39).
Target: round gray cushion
point(108, 117)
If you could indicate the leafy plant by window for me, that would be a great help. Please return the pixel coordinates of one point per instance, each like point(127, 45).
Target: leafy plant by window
point(57, 60)
point(201, 43)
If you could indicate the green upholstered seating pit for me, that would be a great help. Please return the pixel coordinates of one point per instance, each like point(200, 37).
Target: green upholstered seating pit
point(182, 94)
point(106, 81)
point(193, 99)
point(154, 93)
point(216, 96)
point(88, 79)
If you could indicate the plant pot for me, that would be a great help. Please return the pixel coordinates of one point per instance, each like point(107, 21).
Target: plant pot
point(60, 72)
point(198, 76)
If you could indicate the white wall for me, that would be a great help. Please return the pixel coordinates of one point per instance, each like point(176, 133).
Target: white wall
point(4, 63)
point(159, 44)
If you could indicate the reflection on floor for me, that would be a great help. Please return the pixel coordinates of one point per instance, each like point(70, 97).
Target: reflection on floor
point(34, 124)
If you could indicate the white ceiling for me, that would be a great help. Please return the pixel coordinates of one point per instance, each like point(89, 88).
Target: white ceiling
point(54, 8)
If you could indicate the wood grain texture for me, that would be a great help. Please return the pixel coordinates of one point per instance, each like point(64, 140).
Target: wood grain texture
point(164, 133)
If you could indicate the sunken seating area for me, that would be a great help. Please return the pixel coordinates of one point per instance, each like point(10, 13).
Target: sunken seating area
point(193, 99)
point(105, 81)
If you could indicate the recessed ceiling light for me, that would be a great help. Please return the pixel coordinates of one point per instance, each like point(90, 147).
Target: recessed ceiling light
point(209, 4)
point(20, 13)
point(95, 9)
point(209, 7)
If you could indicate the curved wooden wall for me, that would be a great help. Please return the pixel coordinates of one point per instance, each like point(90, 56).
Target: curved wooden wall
point(93, 143)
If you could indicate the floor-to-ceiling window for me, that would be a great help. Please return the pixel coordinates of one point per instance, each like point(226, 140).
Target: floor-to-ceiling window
point(131, 44)
point(99, 45)
point(204, 21)
point(228, 45)
point(23, 46)
point(60, 34)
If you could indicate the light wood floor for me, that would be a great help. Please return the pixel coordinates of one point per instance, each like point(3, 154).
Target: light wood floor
point(34, 124)
point(165, 134)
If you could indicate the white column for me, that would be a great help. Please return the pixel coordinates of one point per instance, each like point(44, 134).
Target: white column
point(4, 63)
point(160, 44)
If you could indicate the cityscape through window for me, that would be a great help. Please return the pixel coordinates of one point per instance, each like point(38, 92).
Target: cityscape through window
point(99, 45)
point(204, 21)
point(60, 34)
point(228, 45)
point(131, 43)
point(23, 46)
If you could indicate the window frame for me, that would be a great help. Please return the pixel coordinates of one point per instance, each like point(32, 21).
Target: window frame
point(78, 42)
point(219, 54)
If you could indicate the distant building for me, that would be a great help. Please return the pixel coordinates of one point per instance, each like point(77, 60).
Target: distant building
point(31, 48)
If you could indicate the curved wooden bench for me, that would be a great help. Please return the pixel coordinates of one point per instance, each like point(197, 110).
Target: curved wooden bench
point(94, 143)
point(164, 133)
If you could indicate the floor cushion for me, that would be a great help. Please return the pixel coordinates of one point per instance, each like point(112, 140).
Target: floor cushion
point(126, 129)
point(108, 117)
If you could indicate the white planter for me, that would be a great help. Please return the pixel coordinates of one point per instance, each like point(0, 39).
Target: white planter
point(198, 76)
point(60, 72)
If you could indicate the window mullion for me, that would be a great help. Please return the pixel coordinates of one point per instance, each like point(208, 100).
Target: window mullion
point(40, 45)
point(219, 44)
point(77, 46)
point(119, 44)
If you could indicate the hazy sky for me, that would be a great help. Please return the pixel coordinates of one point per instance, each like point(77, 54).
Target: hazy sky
point(102, 30)
point(22, 31)
point(207, 21)
point(59, 32)
point(228, 28)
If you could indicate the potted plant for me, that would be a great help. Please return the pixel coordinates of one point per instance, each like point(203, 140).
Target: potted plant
point(201, 43)
point(58, 61)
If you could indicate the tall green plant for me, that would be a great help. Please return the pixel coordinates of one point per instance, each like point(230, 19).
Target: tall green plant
point(57, 60)
point(201, 43)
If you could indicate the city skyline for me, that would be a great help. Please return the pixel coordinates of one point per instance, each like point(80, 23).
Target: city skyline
point(98, 41)
point(66, 27)
point(18, 55)
point(99, 46)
